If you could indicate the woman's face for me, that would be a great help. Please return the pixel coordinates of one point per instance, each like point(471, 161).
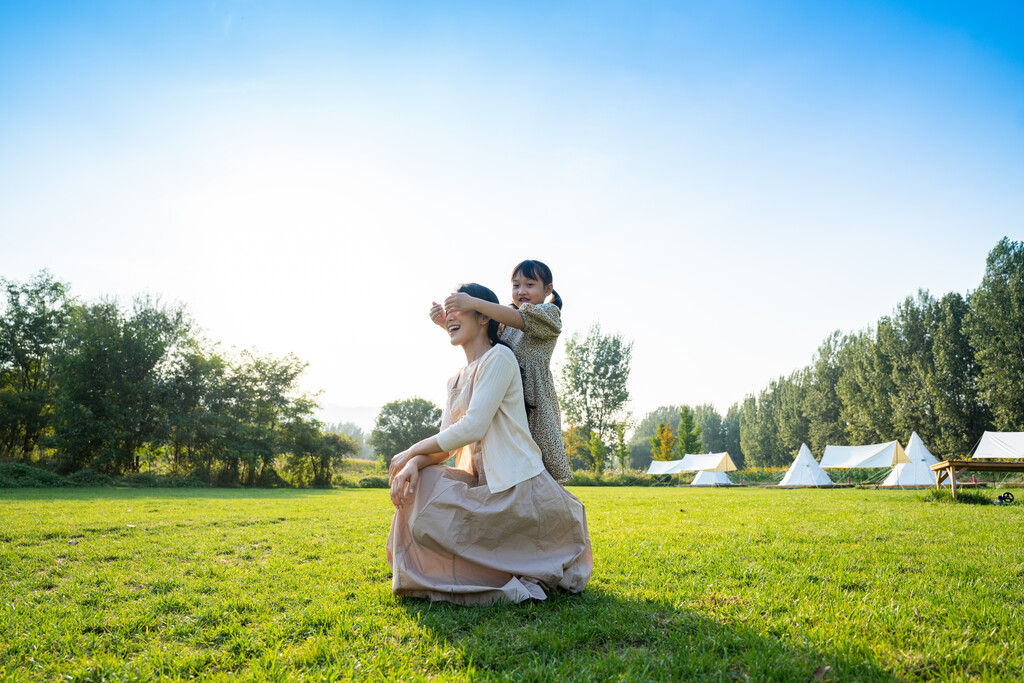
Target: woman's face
point(527, 290)
point(464, 326)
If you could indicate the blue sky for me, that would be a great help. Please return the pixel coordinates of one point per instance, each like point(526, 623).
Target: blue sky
point(723, 183)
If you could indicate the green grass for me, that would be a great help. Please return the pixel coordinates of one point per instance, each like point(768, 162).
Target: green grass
point(737, 584)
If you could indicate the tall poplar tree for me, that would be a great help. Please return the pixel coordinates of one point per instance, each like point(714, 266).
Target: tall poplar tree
point(996, 329)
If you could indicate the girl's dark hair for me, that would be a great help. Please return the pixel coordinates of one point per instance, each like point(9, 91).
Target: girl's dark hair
point(493, 327)
point(535, 270)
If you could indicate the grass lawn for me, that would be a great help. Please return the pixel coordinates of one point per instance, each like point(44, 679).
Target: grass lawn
point(738, 584)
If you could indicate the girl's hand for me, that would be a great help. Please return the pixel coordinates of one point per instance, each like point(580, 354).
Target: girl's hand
point(460, 301)
point(437, 313)
point(398, 462)
point(403, 486)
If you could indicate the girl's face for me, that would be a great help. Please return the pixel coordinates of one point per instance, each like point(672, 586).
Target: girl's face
point(529, 290)
point(464, 326)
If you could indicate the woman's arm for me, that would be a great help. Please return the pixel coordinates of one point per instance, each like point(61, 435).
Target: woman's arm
point(404, 478)
point(422, 448)
point(506, 315)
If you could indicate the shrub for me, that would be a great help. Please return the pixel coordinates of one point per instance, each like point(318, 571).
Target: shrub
point(89, 478)
point(139, 480)
point(189, 482)
point(345, 481)
point(270, 479)
point(17, 475)
point(374, 483)
point(944, 495)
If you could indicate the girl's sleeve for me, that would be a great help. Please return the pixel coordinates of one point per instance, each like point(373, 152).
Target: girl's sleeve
point(541, 321)
point(490, 385)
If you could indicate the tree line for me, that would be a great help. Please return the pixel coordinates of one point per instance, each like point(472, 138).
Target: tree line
point(97, 385)
point(948, 368)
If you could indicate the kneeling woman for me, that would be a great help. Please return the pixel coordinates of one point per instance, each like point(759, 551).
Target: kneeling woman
point(496, 527)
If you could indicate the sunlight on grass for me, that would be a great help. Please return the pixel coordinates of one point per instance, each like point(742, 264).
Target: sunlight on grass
point(739, 584)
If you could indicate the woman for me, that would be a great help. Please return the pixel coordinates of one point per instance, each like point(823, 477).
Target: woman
point(496, 527)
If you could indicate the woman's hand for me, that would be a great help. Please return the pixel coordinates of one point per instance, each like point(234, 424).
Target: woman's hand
point(398, 462)
point(403, 486)
point(460, 301)
point(437, 313)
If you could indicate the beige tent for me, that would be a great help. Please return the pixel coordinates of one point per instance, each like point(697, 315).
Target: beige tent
point(709, 462)
point(873, 455)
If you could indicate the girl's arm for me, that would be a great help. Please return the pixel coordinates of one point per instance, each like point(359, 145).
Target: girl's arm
point(436, 314)
point(506, 315)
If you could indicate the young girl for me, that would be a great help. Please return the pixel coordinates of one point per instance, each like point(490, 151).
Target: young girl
point(530, 327)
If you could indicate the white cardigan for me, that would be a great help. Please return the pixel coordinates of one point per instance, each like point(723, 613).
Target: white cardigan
point(496, 417)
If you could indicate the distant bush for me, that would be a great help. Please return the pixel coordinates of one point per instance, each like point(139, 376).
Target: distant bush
point(139, 480)
point(89, 478)
point(184, 483)
point(345, 481)
point(374, 483)
point(17, 475)
point(944, 495)
point(270, 479)
point(587, 478)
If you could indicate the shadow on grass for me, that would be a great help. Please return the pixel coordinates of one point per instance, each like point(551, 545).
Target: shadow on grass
point(600, 636)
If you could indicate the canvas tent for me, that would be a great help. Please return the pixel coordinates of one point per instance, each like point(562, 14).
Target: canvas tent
point(1001, 445)
point(711, 478)
point(873, 455)
point(918, 471)
point(805, 471)
point(710, 462)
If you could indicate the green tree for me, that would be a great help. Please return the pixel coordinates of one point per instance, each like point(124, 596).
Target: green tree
point(712, 430)
point(356, 433)
point(640, 440)
point(822, 404)
point(199, 409)
point(959, 411)
point(598, 453)
point(866, 387)
point(34, 318)
point(110, 382)
point(264, 401)
point(663, 443)
point(731, 427)
point(402, 423)
point(688, 432)
point(995, 326)
point(621, 450)
point(594, 377)
point(313, 456)
point(577, 447)
point(791, 418)
point(908, 343)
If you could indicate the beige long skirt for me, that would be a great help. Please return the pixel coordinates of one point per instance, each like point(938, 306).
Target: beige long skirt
point(459, 542)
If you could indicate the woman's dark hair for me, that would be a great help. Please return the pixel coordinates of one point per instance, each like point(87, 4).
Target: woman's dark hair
point(493, 327)
point(535, 270)
point(481, 292)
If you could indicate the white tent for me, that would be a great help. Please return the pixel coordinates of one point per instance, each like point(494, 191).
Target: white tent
point(918, 471)
point(874, 455)
point(711, 462)
point(805, 471)
point(711, 478)
point(1001, 445)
